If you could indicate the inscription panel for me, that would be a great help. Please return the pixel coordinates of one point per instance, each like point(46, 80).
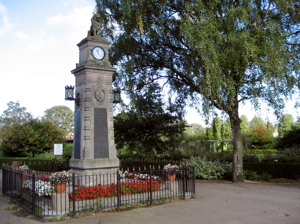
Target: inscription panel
point(77, 139)
point(101, 148)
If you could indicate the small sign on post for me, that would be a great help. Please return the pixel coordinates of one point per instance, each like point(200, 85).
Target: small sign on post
point(58, 149)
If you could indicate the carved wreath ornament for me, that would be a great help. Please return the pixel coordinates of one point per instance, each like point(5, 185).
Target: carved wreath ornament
point(99, 94)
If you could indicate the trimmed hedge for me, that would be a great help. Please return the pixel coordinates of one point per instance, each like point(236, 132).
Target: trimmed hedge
point(261, 151)
point(289, 170)
point(37, 164)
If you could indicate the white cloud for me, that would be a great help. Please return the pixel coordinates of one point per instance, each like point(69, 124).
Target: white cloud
point(77, 18)
point(23, 36)
point(76, 23)
point(5, 24)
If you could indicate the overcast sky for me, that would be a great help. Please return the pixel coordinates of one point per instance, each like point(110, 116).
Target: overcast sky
point(38, 42)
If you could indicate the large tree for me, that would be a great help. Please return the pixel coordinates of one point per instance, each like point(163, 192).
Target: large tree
point(33, 136)
point(62, 116)
point(14, 114)
point(221, 52)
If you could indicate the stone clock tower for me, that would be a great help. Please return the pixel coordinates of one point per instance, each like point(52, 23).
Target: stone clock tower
point(94, 149)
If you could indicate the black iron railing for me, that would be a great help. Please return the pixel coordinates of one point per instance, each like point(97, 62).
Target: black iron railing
point(88, 193)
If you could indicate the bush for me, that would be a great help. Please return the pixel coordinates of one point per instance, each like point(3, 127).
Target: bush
point(290, 139)
point(33, 137)
point(205, 169)
point(219, 156)
point(262, 151)
point(250, 158)
point(253, 175)
point(291, 154)
point(288, 170)
point(67, 153)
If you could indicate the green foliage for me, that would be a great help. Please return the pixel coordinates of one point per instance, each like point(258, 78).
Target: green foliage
point(244, 124)
point(14, 114)
point(62, 116)
point(226, 131)
point(288, 170)
point(194, 131)
point(290, 139)
point(291, 154)
point(250, 158)
point(148, 125)
point(67, 154)
point(225, 156)
point(262, 151)
point(252, 175)
point(260, 133)
point(205, 169)
point(216, 128)
point(285, 124)
point(33, 137)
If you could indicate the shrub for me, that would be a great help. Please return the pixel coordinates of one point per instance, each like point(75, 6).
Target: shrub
point(290, 139)
point(253, 175)
point(291, 154)
point(226, 156)
point(262, 151)
point(33, 137)
point(288, 170)
point(250, 158)
point(205, 169)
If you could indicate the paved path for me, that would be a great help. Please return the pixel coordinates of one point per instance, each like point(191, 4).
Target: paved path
point(215, 203)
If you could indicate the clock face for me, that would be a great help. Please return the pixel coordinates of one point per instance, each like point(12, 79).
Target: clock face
point(98, 53)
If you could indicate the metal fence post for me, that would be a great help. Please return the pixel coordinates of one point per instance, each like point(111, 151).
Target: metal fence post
point(183, 181)
point(3, 180)
point(194, 179)
point(33, 195)
point(118, 192)
point(73, 189)
point(151, 197)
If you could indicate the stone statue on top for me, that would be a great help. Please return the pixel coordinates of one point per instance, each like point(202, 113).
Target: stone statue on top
point(95, 25)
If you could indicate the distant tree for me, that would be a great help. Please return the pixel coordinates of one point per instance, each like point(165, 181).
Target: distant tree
point(244, 124)
point(62, 116)
point(226, 130)
point(256, 122)
point(285, 124)
point(195, 130)
point(14, 114)
point(31, 137)
point(260, 133)
point(296, 124)
point(146, 125)
point(216, 128)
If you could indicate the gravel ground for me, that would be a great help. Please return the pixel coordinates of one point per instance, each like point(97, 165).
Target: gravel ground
point(214, 202)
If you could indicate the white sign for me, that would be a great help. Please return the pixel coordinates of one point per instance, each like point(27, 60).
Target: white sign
point(58, 149)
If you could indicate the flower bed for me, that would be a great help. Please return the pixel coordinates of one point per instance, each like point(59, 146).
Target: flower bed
point(140, 176)
point(42, 188)
point(135, 187)
point(172, 169)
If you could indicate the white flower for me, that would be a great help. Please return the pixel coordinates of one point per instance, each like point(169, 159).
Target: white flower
point(42, 188)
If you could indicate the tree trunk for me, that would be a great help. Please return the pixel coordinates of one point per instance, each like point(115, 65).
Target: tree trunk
point(237, 171)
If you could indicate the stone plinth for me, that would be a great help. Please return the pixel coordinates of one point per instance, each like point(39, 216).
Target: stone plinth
point(172, 186)
point(60, 202)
